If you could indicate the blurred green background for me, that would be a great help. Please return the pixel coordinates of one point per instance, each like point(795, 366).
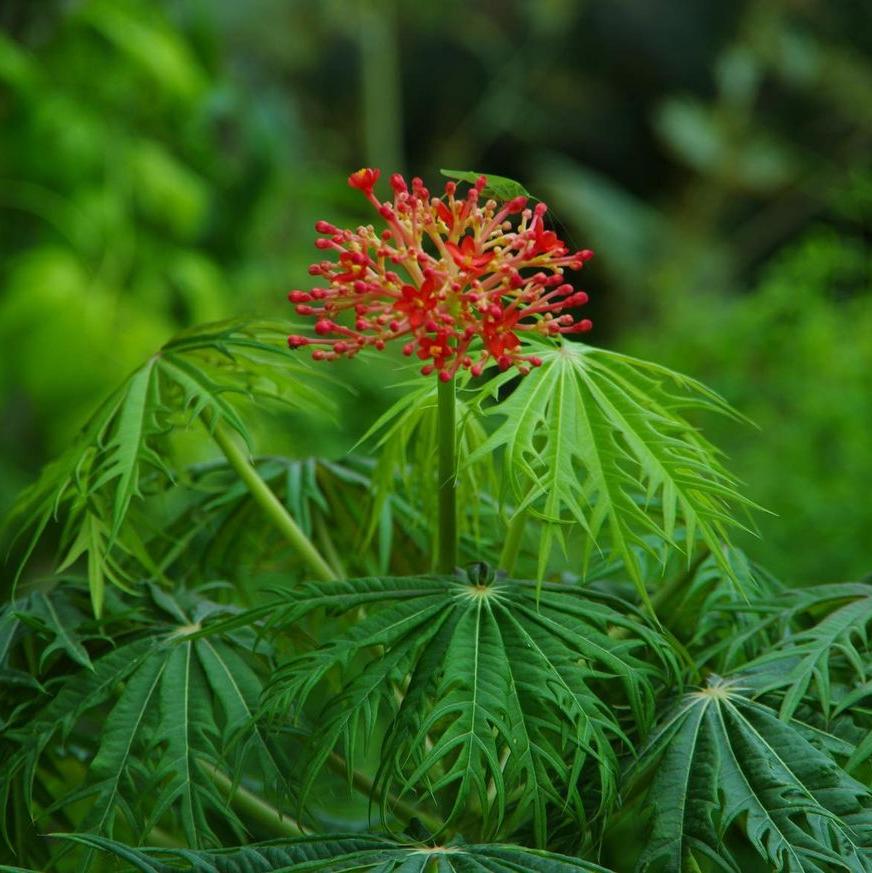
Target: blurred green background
point(162, 163)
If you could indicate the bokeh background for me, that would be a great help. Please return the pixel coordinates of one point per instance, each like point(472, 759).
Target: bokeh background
point(162, 163)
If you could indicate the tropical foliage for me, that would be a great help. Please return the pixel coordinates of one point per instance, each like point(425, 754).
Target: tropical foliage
point(331, 678)
point(508, 632)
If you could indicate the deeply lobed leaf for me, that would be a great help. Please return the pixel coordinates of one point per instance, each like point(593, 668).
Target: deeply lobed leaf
point(722, 760)
point(503, 710)
point(204, 371)
point(599, 440)
point(345, 852)
point(170, 707)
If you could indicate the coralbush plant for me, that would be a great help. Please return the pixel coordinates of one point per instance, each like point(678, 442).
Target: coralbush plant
point(515, 636)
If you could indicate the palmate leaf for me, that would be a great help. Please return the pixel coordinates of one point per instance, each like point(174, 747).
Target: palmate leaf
point(722, 760)
point(805, 661)
point(170, 707)
point(344, 853)
point(517, 699)
point(205, 372)
point(598, 439)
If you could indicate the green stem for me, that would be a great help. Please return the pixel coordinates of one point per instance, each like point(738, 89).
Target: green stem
point(271, 505)
point(251, 806)
point(512, 545)
point(447, 559)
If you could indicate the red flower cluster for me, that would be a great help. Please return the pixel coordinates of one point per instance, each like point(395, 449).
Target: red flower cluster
point(453, 277)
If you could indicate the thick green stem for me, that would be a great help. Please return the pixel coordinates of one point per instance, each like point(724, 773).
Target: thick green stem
point(252, 807)
point(514, 535)
point(447, 559)
point(270, 504)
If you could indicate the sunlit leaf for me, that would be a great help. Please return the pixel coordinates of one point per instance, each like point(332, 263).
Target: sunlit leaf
point(206, 373)
point(599, 440)
point(498, 187)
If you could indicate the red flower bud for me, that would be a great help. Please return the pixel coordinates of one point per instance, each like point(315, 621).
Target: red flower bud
point(364, 179)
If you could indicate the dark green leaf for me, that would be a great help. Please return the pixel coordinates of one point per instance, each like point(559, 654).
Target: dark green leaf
point(502, 708)
point(722, 760)
point(341, 853)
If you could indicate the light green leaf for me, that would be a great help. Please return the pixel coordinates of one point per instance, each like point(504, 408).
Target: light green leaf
point(599, 440)
point(206, 371)
point(498, 187)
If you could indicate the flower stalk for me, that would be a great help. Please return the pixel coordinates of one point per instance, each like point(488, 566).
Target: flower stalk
point(447, 429)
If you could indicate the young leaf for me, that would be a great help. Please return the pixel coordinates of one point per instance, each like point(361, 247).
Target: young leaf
point(597, 439)
point(498, 187)
point(504, 707)
point(344, 853)
point(722, 760)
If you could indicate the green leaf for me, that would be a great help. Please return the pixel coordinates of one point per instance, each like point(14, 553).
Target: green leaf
point(721, 760)
point(498, 187)
point(512, 695)
point(344, 852)
point(171, 706)
point(598, 440)
point(208, 371)
point(60, 619)
point(802, 661)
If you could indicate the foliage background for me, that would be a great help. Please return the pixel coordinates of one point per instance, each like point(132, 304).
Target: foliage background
point(162, 163)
